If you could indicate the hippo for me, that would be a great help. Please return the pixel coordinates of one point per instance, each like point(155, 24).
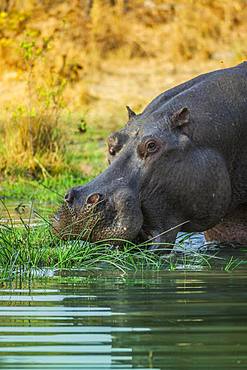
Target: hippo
point(180, 165)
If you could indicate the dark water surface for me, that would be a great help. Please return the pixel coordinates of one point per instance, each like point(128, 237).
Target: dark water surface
point(165, 320)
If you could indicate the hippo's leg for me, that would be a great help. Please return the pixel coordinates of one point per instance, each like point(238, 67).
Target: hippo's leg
point(232, 230)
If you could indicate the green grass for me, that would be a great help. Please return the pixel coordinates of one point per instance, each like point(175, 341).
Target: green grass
point(51, 189)
point(28, 250)
point(87, 149)
point(25, 249)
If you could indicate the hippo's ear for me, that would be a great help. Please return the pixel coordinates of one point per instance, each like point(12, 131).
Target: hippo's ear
point(131, 113)
point(180, 118)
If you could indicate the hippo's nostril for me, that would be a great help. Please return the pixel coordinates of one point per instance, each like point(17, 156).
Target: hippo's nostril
point(69, 197)
point(94, 198)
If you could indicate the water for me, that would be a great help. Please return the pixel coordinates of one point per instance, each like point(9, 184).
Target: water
point(16, 214)
point(107, 320)
point(165, 320)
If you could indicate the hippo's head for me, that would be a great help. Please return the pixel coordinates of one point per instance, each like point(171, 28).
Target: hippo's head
point(159, 182)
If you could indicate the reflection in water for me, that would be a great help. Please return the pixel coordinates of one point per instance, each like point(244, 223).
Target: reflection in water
point(41, 329)
point(157, 321)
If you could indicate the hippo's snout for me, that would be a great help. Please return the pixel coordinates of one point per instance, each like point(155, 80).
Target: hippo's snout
point(94, 215)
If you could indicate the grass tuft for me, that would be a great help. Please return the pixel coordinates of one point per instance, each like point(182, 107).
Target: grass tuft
point(33, 144)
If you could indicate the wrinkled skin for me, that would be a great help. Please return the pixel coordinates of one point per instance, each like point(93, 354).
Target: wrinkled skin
point(180, 165)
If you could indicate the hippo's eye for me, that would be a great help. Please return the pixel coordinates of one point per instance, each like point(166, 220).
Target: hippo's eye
point(148, 147)
point(151, 146)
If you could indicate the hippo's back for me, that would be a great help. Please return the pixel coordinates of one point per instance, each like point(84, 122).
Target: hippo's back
point(231, 82)
point(217, 102)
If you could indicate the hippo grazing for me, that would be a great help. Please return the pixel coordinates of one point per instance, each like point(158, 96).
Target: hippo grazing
point(180, 165)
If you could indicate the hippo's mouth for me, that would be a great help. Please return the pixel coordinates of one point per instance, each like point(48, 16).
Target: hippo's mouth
point(157, 239)
point(150, 238)
point(144, 235)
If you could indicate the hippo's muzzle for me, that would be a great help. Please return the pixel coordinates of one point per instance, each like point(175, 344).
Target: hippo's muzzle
point(97, 215)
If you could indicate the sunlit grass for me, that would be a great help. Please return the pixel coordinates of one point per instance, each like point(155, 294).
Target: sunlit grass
point(33, 145)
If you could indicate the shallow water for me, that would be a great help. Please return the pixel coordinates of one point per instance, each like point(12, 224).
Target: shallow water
point(165, 320)
point(15, 214)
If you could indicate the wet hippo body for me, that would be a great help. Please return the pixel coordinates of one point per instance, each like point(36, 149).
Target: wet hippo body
point(180, 165)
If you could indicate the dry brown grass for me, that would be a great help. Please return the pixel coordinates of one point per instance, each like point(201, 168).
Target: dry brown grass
point(209, 29)
point(83, 38)
point(33, 138)
point(32, 144)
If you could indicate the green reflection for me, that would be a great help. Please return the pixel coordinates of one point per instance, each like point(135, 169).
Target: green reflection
point(166, 320)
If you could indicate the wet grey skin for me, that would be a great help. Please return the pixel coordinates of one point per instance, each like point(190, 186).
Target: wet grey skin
point(180, 165)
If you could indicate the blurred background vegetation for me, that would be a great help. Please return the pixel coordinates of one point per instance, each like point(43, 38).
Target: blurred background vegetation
point(68, 68)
